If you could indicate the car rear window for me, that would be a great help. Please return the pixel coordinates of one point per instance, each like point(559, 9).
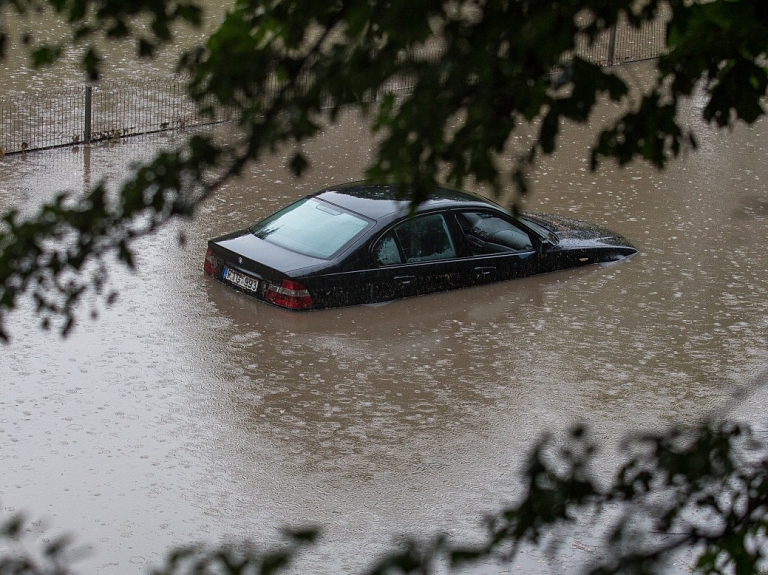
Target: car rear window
point(310, 227)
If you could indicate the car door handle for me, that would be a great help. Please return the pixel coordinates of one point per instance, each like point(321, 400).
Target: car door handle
point(485, 270)
point(405, 280)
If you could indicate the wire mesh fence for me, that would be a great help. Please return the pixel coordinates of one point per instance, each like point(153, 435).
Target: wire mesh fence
point(29, 122)
point(121, 110)
point(110, 111)
point(107, 111)
point(624, 43)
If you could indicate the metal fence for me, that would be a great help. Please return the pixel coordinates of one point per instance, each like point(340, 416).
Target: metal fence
point(624, 43)
point(110, 111)
point(107, 111)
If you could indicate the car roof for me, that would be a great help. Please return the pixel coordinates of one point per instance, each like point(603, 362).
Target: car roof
point(376, 201)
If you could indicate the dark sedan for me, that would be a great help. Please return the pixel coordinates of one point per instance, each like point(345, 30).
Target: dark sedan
point(357, 244)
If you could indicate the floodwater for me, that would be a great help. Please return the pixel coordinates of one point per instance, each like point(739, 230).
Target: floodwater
point(119, 57)
point(190, 412)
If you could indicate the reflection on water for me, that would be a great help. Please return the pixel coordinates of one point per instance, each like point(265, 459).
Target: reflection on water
point(191, 411)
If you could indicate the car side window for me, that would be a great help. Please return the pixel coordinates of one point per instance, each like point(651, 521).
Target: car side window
point(487, 233)
point(419, 239)
point(387, 252)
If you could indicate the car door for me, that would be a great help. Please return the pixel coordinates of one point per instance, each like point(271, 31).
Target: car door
point(415, 257)
point(498, 247)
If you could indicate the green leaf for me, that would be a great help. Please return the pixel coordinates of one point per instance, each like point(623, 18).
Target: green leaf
point(91, 61)
point(45, 55)
point(299, 163)
point(146, 49)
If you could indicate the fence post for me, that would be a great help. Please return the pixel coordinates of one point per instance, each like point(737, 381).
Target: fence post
point(88, 108)
point(612, 46)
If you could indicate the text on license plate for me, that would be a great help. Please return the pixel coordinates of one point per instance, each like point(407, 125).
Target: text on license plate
point(241, 280)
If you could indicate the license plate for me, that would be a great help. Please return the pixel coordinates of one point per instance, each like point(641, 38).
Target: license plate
point(240, 280)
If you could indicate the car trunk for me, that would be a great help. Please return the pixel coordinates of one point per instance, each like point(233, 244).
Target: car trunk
point(232, 260)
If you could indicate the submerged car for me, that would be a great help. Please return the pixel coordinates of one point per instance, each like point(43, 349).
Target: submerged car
point(357, 243)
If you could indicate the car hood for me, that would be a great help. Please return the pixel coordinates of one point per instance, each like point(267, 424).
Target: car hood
point(570, 231)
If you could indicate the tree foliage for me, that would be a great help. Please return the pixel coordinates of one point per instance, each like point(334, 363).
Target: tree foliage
point(479, 71)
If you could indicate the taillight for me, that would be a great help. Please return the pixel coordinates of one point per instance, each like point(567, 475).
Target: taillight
point(211, 264)
point(289, 294)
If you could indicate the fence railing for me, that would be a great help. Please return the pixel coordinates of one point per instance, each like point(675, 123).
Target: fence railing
point(624, 43)
point(107, 111)
point(110, 111)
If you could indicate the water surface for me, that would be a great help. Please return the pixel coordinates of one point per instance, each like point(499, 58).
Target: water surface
point(192, 412)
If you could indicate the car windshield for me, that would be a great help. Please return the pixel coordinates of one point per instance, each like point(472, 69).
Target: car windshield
point(310, 227)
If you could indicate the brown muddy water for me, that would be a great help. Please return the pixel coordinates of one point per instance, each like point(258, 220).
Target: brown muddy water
point(189, 412)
